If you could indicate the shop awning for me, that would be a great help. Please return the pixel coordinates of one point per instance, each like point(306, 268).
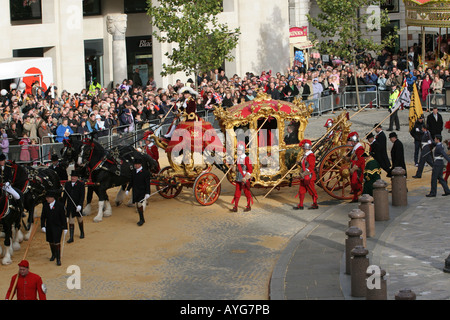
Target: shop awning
point(303, 45)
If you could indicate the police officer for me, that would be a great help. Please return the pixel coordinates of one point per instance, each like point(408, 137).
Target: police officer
point(140, 182)
point(54, 223)
point(29, 285)
point(426, 154)
point(438, 168)
point(73, 199)
point(394, 114)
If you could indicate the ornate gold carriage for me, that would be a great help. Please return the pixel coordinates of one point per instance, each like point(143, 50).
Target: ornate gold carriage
point(265, 126)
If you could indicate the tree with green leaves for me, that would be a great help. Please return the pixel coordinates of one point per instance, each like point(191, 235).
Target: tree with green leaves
point(201, 43)
point(349, 22)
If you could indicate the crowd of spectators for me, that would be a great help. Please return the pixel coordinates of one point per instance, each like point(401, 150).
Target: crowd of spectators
point(47, 116)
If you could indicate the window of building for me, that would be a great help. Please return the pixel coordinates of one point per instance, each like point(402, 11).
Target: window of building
point(92, 8)
point(25, 10)
point(135, 6)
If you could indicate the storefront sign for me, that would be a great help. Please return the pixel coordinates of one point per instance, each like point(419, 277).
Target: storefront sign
point(298, 32)
point(145, 44)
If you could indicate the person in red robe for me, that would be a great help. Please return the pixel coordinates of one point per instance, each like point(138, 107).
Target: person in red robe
point(308, 176)
point(357, 165)
point(29, 285)
point(244, 171)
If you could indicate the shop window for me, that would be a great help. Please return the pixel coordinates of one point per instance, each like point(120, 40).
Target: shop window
point(25, 10)
point(135, 6)
point(92, 8)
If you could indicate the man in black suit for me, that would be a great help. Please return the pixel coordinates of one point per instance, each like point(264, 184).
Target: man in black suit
point(381, 150)
point(54, 222)
point(140, 182)
point(435, 123)
point(59, 168)
point(397, 153)
point(73, 199)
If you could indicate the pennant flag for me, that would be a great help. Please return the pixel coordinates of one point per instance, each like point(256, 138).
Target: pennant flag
point(404, 98)
point(415, 108)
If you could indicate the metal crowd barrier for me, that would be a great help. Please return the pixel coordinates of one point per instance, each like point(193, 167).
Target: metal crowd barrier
point(133, 135)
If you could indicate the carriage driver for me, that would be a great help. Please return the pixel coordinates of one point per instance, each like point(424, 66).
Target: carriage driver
point(308, 176)
point(6, 177)
point(73, 199)
point(244, 171)
point(357, 165)
point(140, 182)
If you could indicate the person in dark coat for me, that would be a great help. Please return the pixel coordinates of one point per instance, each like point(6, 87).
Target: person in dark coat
point(435, 123)
point(438, 168)
point(140, 183)
point(54, 223)
point(426, 155)
point(59, 168)
point(380, 152)
point(417, 133)
point(397, 153)
point(73, 199)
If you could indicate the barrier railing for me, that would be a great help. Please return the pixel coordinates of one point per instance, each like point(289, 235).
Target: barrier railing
point(133, 134)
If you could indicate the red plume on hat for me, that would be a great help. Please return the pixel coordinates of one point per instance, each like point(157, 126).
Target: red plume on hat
point(147, 134)
point(353, 136)
point(305, 143)
point(328, 123)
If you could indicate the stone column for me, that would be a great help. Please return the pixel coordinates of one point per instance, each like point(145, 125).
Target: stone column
point(117, 26)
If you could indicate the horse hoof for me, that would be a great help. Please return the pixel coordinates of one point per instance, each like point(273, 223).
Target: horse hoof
point(16, 246)
point(97, 220)
point(6, 262)
point(118, 203)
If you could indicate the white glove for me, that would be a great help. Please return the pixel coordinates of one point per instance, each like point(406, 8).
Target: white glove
point(43, 229)
point(127, 192)
point(78, 208)
point(7, 184)
point(417, 129)
point(146, 196)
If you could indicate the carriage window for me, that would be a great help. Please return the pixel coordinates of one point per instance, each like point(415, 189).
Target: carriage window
point(291, 133)
point(268, 134)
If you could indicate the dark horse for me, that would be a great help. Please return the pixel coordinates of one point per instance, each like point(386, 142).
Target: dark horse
point(40, 180)
point(110, 168)
point(10, 215)
point(32, 184)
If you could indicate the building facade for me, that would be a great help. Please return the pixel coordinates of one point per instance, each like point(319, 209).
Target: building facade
point(106, 41)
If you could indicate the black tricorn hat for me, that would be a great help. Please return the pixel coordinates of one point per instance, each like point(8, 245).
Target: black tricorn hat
point(392, 135)
point(55, 157)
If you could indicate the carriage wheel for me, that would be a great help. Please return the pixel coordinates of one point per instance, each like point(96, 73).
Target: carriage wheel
point(207, 188)
point(334, 173)
point(170, 191)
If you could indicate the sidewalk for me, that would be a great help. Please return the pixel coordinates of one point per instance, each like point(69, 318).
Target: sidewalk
point(411, 246)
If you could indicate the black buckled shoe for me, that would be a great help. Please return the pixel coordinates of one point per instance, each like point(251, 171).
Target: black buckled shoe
point(299, 207)
point(314, 206)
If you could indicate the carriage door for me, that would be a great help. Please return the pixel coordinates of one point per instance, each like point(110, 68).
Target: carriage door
point(268, 148)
